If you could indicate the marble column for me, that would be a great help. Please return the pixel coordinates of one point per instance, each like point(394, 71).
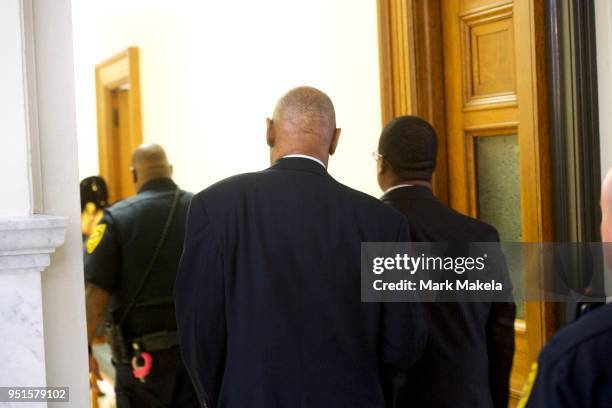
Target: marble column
point(26, 245)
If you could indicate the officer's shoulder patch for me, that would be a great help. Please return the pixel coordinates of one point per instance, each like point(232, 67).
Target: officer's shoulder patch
point(95, 238)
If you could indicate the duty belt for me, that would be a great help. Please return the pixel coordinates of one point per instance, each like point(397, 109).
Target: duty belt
point(156, 341)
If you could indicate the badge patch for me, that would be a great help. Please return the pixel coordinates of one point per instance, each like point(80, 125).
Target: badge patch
point(95, 237)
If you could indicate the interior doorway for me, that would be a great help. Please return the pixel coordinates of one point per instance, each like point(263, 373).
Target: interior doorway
point(119, 120)
point(496, 171)
point(475, 69)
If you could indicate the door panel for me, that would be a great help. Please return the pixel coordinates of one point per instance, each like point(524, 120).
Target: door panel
point(487, 53)
point(496, 149)
point(125, 148)
point(119, 178)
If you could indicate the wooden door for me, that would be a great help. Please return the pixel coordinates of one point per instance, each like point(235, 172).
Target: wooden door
point(119, 120)
point(497, 152)
point(120, 184)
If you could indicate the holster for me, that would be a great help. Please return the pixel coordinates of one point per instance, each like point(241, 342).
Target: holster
point(119, 347)
point(123, 352)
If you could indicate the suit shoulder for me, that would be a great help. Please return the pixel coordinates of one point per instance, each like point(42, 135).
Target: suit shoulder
point(372, 205)
point(227, 185)
point(481, 230)
point(582, 334)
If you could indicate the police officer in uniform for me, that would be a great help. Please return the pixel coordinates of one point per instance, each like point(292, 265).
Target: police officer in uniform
point(575, 368)
point(131, 261)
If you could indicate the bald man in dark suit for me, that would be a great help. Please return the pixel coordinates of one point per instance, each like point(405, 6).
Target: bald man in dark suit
point(268, 291)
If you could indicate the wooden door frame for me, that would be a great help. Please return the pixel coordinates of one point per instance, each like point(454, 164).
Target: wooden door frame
point(119, 71)
point(412, 70)
point(412, 82)
point(537, 203)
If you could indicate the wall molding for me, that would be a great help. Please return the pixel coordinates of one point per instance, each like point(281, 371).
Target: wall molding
point(30, 90)
point(27, 242)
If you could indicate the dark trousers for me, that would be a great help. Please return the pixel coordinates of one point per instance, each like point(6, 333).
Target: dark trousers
point(167, 386)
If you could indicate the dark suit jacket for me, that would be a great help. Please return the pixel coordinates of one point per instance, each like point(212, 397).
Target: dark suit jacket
point(268, 293)
point(468, 356)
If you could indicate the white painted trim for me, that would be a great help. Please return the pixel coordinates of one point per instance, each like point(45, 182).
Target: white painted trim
point(27, 242)
point(28, 49)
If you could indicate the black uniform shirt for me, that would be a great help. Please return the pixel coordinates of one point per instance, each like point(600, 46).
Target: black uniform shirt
point(575, 367)
point(120, 248)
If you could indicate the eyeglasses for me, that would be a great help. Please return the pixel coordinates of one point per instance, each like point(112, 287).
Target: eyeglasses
point(376, 156)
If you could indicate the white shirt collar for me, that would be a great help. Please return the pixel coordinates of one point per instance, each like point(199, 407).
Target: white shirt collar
point(303, 156)
point(395, 187)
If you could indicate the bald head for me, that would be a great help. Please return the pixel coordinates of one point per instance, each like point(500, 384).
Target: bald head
point(149, 162)
point(304, 122)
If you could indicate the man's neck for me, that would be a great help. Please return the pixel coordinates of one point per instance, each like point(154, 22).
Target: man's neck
point(304, 156)
point(400, 183)
point(421, 183)
point(315, 156)
point(139, 186)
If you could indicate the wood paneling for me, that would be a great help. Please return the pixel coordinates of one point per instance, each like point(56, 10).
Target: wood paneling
point(485, 92)
point(521, 363)
point(411, 69)
point(488, 51)
point(494, 79)
point(397, 64)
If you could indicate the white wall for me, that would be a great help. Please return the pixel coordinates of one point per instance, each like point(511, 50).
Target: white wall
point(13, 141)
point(211, 72)
point(603, 26)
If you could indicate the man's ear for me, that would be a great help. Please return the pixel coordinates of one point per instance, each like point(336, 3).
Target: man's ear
point(134, 175)
point(334, 141)
point(381, 166)
point(171, 170)
point(269, 132)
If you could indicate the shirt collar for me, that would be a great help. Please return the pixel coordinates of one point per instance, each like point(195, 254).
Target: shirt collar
point(161, 183)
point(395, 187)
point(303, 156)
